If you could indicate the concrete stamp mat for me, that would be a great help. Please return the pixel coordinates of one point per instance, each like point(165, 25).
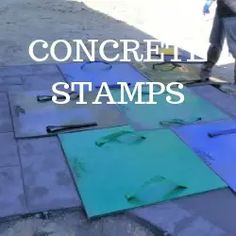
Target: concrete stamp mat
point(113, 170)
point(215, 143)
point(194, 109)
point(31, 117)
point(98, 72)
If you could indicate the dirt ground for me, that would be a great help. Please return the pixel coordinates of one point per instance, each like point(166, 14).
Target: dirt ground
point(22, 21)
point(73, 223)
point(176, 22)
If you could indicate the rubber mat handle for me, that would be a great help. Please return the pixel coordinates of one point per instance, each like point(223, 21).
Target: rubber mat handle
point(108, 65)
point(59, 128)
point(168, 123)
point(115, 136)
point(47, 98)
point(221, 132)
point(155, 180)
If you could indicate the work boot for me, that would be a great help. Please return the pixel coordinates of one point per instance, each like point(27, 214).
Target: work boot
point(213, 55)
point(206, 70)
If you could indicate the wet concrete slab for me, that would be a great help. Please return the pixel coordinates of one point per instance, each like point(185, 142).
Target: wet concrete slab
point(48, 182)
point(12, 200)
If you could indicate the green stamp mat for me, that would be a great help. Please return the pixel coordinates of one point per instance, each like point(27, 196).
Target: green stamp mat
point(168, 72)
point(117, 169)
point(163, 114)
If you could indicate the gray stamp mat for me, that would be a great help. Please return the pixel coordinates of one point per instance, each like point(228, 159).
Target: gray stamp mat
point(32, 118)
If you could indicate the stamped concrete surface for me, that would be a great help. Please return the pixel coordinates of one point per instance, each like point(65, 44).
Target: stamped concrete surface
point(34, 176)
point(12, 200)
point(25, 20)
point(47, 180)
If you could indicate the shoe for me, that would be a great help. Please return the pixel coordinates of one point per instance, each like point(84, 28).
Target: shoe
point(205, 73)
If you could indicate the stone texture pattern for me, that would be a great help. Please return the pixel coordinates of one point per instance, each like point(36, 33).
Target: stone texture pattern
point(34, 177)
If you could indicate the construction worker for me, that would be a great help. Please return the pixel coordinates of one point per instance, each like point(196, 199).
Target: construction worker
point(224, 26)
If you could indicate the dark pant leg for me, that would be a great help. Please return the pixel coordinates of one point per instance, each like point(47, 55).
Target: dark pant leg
point(234, 68)
point(216, 43)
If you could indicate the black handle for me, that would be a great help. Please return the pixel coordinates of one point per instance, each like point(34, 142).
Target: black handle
point(221, 132)
point(47, 98)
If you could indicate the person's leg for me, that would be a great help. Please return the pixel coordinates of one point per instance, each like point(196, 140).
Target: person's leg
point(234, 69)
point(230, 30)
point(214, 51)
point(213, 56)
